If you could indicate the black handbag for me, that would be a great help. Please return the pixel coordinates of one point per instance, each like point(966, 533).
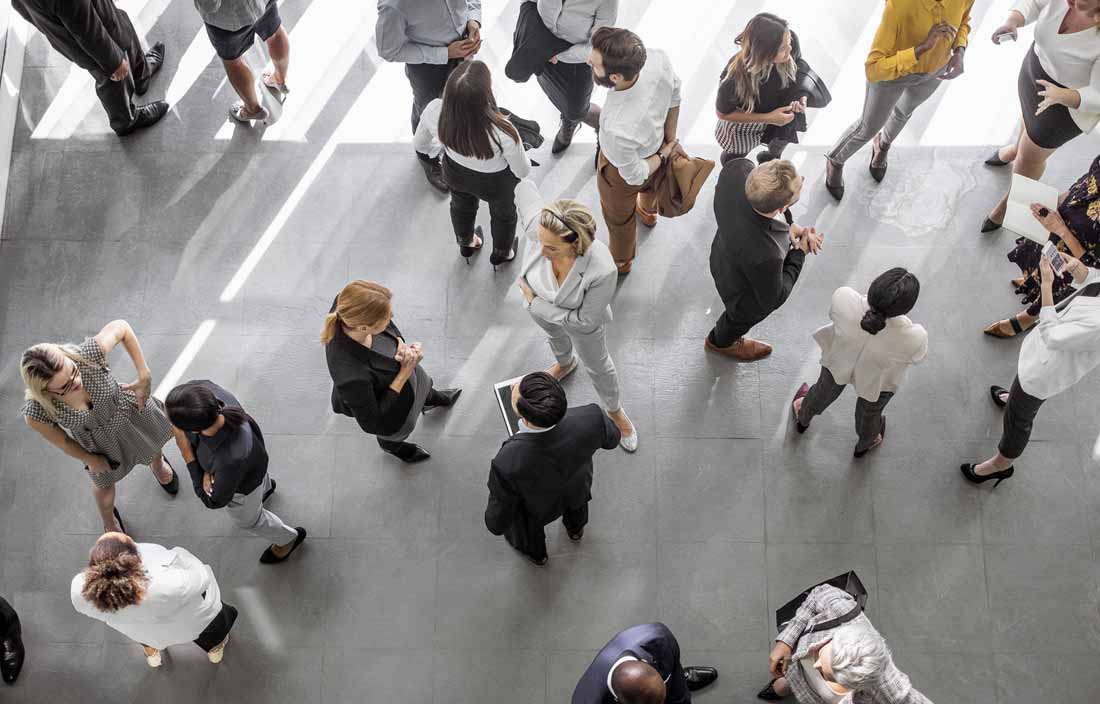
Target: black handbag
point(808, 83)
point(849, 582)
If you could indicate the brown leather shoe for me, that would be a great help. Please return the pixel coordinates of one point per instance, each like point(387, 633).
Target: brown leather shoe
point(625, 267)
point(648, 219)
point(744, 349)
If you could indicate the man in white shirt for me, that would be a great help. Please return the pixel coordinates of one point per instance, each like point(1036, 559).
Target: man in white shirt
point(637, 132)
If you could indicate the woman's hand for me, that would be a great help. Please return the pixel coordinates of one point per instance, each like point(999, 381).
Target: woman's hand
point(779, 659)
point(142, 388)
point(208, 483)
point(1001, 31)
point(779, 116)
point(798, 105)
point(1046, 273)
point(940, 30)
point(1052, 221)
point(525, 288)
point(1075, 267)
point(1054, 95)
point(98, 464)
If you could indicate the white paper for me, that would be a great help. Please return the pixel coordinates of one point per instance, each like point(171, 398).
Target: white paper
point(1018, 217)
point(503, 392)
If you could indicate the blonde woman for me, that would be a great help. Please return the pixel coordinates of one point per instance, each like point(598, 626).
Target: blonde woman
point(75, 403)
point(568, 281)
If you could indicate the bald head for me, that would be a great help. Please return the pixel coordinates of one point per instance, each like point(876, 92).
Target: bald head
point(636, 682)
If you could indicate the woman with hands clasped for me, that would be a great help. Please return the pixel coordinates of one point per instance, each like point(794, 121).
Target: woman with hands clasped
point(75, 403)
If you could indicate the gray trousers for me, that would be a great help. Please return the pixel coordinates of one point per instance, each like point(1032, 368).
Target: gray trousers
point(248, 512)
point(887, 106)
point(591, 347)
point(868, 413)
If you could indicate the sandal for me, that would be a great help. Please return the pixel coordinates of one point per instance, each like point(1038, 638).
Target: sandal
point(279, 90)
point(237, 113)
point(997, 329)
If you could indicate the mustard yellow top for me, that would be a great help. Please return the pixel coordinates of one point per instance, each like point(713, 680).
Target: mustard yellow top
point(905, 23)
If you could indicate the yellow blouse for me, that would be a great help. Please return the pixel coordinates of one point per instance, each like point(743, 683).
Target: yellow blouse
point(905, 23)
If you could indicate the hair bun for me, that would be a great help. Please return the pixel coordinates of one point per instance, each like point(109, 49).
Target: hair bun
point(873, 321)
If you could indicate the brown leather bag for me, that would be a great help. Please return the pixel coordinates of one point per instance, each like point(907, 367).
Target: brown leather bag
point(678, 182)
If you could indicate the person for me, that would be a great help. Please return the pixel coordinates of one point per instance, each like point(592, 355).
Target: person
point(753, 103)
point(918, 44)
point(637, 132)
point(431, 37)
point(154, 595)
point(377, 378)
point(98, 37)
point(75, 403)
point(1064, 347)
point(544, 472)
point(755, 258)
point(483, 158)
point(227, 459)
point(232, 28)
point(641, 665)
point(869, 344)
point(566, 79)
point(12, 652)
point(567, 282)
point(849, 662)
point(1058, 85)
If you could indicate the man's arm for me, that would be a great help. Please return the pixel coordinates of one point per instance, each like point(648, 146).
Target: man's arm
point(89, 33)
point(611, 433)
point(390, 34)
point(773, 281)
point(501, 509)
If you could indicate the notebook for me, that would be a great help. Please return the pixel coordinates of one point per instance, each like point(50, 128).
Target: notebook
point(503, 392)
point(1018, 217)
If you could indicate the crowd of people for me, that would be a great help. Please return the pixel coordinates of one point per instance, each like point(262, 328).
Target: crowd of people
point(474, 150)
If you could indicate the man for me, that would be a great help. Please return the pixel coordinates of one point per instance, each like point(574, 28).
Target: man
point(11, 643)
point(756, 257)
point(918, 44)
point(637, 132)
point(99, 38)
point(641, 665)
point(544, 472)
point(430, 37)
point(566, 79)
point(232, 27)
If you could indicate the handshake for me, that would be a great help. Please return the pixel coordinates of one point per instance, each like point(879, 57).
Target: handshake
point(806, 239)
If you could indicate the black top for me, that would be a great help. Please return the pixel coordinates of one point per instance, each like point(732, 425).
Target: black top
point(236, 457)
point(753, 265)
point(652, 643)
point(772, 93)
point(90, 33)
point(542, 475)
point(533, 44)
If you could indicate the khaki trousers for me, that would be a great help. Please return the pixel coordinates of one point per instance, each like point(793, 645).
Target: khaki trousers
point(617, 200)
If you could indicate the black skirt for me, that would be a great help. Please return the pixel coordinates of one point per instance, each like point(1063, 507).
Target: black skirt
point(1054, 127)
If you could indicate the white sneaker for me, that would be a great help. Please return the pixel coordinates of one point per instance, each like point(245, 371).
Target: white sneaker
point(154, 660)
point(629, 442)
point(217, 652)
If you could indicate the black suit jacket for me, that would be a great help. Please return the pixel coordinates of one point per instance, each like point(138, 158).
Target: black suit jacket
point(533, 44)
point(542, 475)
point(361, 381)
point(87, 32)
point(650, 642)
point(753, 266)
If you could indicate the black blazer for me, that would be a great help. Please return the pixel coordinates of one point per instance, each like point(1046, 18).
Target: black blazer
point(533, 44)
point(753, 265)
point(542, 475)
point(652, 643)
point(90, 33)
point(361, 381)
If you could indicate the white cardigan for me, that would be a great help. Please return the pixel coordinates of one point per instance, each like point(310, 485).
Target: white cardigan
point(872, 363)
point(1063, 347)
point(180, 602)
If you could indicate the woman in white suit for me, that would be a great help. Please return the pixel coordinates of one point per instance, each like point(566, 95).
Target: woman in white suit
point(568, 281)
point(870, 344)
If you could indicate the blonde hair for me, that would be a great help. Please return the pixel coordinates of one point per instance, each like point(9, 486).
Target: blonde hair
point(38, 366)
point(572, 221)
point(771, 185)
point(753, 65)
point(359, 303)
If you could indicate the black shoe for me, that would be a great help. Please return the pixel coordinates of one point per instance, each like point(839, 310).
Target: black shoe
point(860, 453)
point(468, 250)
point(147, 115)
point(877, 172)
point(172, 487)
point(410, 453)
point(836, 189)
point(118, 517)
point(699, 677)
point(12, 656)
point(268, 493)
point(575, 537)
point(499, 256)
point(564, 137)
point(442, 398)
point(154, 59)
point(433, 171)
point(968, 472)
point(769, 694)
point(270, 558)
point(996, 160)
point(801, 393)
point(989, 226)
point(995, 393)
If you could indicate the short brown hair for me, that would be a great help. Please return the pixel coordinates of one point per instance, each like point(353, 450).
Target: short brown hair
point(621, 50)
point(771, 185)
point(115, 577)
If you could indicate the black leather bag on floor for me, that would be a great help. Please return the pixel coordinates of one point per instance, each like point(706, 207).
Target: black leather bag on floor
point(849, 582)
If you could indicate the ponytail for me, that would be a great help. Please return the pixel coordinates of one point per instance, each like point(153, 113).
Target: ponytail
point(873, 321)
point(332, 324)
point(893, 293)
point(358, 303)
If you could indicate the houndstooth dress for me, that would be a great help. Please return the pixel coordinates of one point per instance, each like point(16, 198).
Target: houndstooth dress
point(112, 426)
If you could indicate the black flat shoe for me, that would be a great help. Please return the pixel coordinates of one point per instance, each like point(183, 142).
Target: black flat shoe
point(154, 59)
point(769, 694)
point(468, 251)
point(442, 398)
point(575, 537)
point(996, 160)
point(973, 478)
point(989, 226)
point(12, 656)
point(268, 493)
point(995, 393)
point(699, 677)
point(836, 190)
point(801, 393)
point(411, 453)
point(270, 558)
point(118, 517)
point(173, 486)
point(860, 453)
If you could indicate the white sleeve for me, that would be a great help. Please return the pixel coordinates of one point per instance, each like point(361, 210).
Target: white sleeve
point(1090, 94)
point(529, 206)
point(623, 155)
point(675, 86)
point(1030, 9)
point(426, 140)
point(515, 155)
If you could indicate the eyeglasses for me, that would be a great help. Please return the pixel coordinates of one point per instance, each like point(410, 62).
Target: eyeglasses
point(69, 384)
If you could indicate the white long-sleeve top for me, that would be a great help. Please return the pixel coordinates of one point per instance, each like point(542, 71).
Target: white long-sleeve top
point(1070, 59)
point(510, 155)
point(1063, 347)
point(575, 21)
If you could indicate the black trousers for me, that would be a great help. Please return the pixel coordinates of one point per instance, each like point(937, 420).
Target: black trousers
point(218, 629)
point(1020, 412)
point(569, 88)
point(734, 324)
point(529, 535)
point(117, 97)
point(468, 189)
point(868, 413)
point(427, 81)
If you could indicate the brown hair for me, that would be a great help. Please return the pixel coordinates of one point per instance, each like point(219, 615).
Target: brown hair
point(359, 303)
point(470, 113)
point(771, 185)
point(621, 50)
point(572, 222)
point(752, 66)
point(115, 577)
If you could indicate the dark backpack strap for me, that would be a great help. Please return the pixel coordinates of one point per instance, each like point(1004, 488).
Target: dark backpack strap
point(834, 622)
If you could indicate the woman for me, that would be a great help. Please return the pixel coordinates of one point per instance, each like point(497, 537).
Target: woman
point(75, 403)
point(754, 105)
point(483, 158)
point(870, 344)
point(156, 596)
point(1059, 85)
point(1057, 355)
point(567, 282)
point(377, 378)
point(1075, 228)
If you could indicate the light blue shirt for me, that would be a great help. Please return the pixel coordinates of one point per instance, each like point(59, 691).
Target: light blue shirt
point(418, 31)
point(575, 21)
point(524, 428)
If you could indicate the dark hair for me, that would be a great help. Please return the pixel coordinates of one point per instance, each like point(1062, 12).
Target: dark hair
point(893, 293)
point(541, 400)
point(194, 407)
point(621, 50)
point(470, 113)
point(115, 577)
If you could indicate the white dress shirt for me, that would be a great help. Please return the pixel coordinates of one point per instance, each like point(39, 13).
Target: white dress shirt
point(181, 600)
point(1071, 59)
point(872, 363)
point(510, 155)
point(632, 122)
point(575, 21)
point(1064, 346)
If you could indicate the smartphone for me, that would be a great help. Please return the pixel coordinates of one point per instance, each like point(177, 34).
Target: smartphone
point(1050, 251)
point(1002, 36)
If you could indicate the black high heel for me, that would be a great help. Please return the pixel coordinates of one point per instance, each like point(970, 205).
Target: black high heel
point(996, 159)
point(769, 694)
point(995, 393)
point(989, 226)
point(496, 257)
point(118, 517)
point(468, 251)
point(974, 478)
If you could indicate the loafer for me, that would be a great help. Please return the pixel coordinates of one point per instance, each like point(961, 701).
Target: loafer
point(648, 218)
point(744, 349)
point(411, 453)
point(270, 558)
point(12, 656)
point(147, 115)
point(154, 60)
point(699, 677)
point(446, 398)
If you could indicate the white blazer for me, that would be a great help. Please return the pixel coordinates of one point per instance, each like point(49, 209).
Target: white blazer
point(180, 602)
point(1064, 346)
point(872, 363)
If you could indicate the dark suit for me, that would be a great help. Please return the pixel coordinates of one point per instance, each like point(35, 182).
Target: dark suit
point(96, 36)
point(537, 478)
point(753, 265)
point(652, 643)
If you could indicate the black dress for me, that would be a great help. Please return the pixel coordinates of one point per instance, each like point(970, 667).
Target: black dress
point(741, 138)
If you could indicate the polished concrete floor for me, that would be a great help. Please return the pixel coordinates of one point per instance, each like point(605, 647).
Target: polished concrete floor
point(224, 247)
